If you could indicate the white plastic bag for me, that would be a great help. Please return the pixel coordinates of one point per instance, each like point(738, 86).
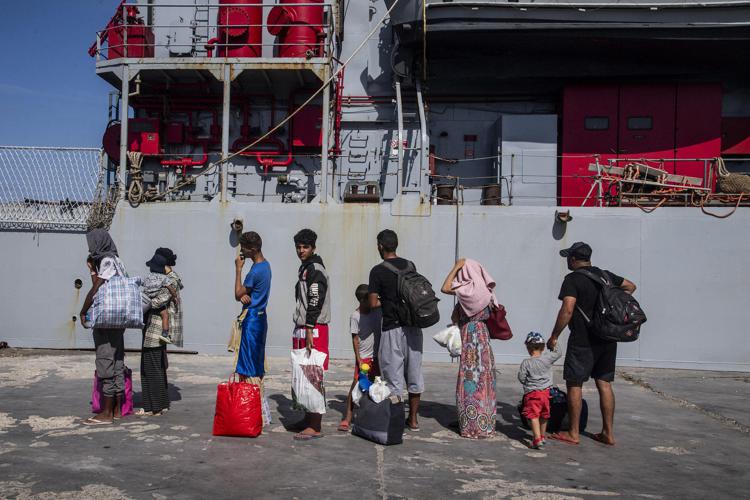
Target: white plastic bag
point(356, 394)
point(308, 392)
point(265, 409)
point(379, 390)
point(450, 338)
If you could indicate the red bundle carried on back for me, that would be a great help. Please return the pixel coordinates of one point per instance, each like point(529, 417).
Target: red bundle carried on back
point(238, 410)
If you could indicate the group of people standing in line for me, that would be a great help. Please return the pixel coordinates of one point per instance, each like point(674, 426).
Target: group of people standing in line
point(383, 340)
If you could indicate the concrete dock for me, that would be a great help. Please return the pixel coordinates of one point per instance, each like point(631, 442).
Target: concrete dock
point(681, 434)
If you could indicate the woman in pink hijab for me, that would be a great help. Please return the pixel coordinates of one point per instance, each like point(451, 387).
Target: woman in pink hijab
point(475, 389)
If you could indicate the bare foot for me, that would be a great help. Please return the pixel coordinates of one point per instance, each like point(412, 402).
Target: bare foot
point(603, 438)
point(412, 424)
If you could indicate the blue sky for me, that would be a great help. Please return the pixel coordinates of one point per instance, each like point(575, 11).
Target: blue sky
point(50, 94)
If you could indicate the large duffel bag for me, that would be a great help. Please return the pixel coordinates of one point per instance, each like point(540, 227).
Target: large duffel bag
point(558, 412)
point(382, 423)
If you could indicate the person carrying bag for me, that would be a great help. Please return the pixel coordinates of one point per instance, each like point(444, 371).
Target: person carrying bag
point(476, 402)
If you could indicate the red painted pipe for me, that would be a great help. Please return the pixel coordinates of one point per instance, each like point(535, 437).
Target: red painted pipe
point(266, 157)
point(210, 46)
point(186, 162)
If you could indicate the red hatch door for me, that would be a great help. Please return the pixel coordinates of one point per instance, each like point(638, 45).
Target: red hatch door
point(647, 116)
point(589, 128)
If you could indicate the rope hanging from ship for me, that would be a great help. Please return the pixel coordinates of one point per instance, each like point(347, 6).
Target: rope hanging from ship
point(212, 166)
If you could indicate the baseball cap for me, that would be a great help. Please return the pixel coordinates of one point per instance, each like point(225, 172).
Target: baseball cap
point(578, 250)
point(534, 338)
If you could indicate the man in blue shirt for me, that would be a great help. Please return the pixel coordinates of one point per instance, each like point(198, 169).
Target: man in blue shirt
point(253, 292)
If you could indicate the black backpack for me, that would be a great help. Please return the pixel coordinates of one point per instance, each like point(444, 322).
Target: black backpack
point(617, 315)
point(418, 301)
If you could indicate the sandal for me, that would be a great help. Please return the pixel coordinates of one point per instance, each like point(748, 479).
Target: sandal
point(307, 437)
point(537, 444)
point(344, 426)
point(94, 421)
point(560, 437)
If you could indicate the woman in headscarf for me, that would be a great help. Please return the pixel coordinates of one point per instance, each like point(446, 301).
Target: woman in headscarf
point(104, 264)
point(154, 361)
point(475, 389)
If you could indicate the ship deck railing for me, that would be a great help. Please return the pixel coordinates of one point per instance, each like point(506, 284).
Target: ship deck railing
point(165, 55)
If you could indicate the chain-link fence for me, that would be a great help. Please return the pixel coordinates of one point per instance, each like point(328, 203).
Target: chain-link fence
point(55, 189)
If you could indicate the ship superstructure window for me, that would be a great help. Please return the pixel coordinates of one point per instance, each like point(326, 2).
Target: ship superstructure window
point(596, 123)
point(640, 123)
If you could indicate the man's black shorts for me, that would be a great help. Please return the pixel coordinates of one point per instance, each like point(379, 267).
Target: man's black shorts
point(596, 361)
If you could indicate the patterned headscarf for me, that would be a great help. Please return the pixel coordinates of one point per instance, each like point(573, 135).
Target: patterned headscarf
point(100, 244)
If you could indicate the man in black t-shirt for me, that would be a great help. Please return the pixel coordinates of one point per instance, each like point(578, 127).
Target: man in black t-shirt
point(400, 351)
point(587, 355)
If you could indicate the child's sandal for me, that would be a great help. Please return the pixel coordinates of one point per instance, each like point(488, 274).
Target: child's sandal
point(537, 444)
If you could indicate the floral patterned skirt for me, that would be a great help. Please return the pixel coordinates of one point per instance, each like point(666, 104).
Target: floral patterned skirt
point(475, 388)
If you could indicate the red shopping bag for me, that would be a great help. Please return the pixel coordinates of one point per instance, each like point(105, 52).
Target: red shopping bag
point(238, 410)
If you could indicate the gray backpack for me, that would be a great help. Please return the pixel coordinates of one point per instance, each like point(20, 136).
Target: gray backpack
point(418, 305)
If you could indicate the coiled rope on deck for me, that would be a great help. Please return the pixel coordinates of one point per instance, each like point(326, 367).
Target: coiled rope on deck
point(212, 166)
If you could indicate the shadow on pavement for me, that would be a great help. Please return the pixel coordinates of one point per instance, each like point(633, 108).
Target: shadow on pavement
point(288, 416)
point(512, 429)
point(172, 390)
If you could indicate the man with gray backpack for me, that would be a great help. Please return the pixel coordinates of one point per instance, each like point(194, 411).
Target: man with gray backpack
point(408, 304)
point(598, 308)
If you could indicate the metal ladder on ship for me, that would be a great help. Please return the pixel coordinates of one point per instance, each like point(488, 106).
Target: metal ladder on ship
point(201, 28)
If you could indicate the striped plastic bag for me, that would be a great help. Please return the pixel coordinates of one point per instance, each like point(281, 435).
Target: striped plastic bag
point(117, 304)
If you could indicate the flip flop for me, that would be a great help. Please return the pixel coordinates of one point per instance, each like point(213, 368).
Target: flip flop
point(307, 437)
point(344, 426)
point(599, 438)
point(413, 429)
point(559, 437)
point(93, 421)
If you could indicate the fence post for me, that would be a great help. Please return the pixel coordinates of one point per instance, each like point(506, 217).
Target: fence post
point(124, 96)
point(227, 77)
